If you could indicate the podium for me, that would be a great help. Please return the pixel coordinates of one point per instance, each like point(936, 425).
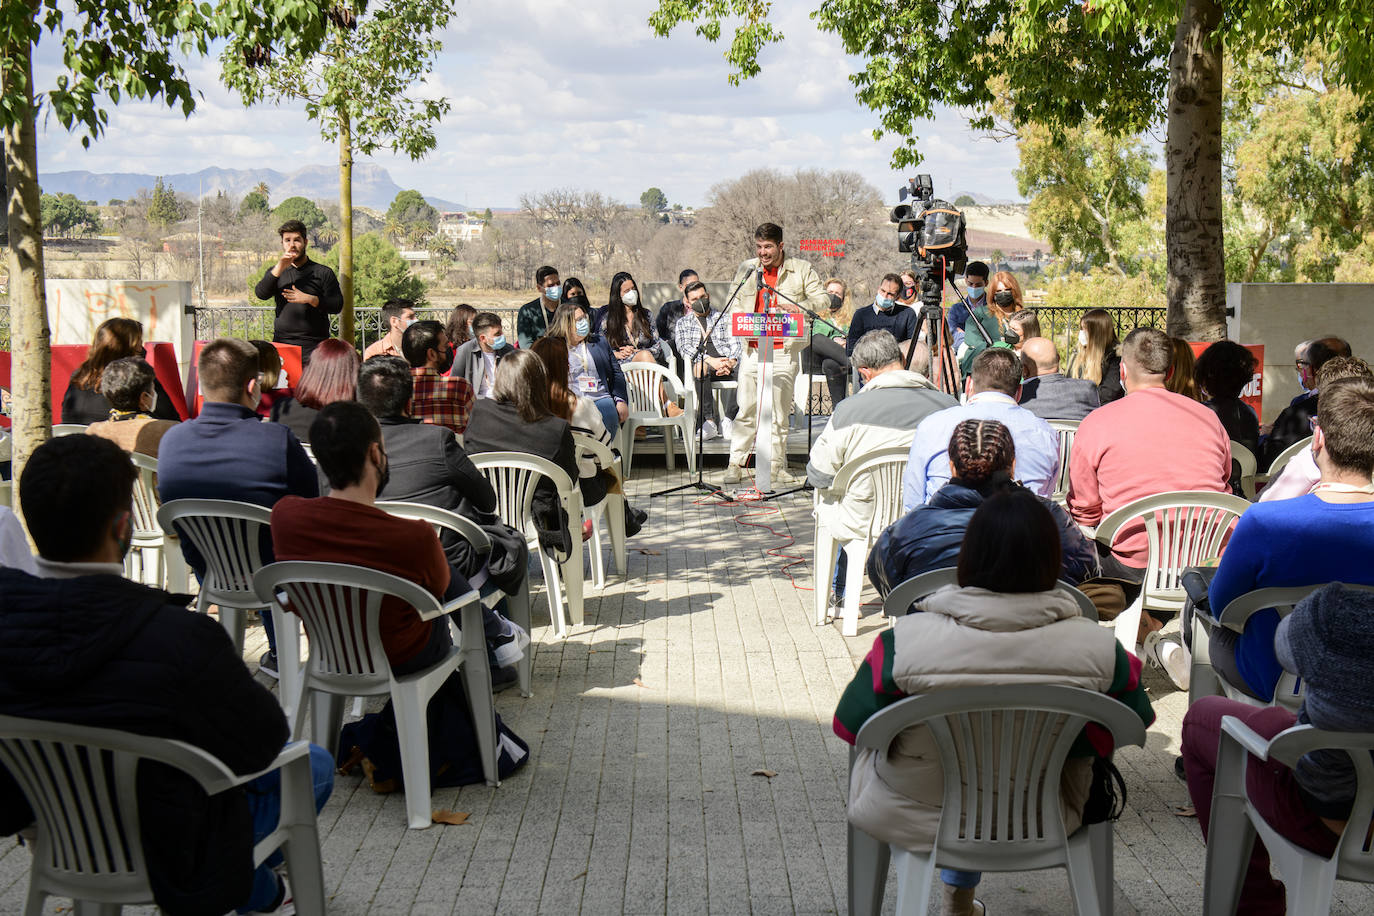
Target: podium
point(765, 327)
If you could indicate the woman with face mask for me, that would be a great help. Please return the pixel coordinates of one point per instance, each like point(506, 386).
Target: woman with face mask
point(628, 326)
point(988, 321)
point(1098, 357)
point(593, 370)
point(826, 354)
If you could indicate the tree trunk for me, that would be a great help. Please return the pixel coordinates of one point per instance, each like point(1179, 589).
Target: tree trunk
point(31, 366)
point(1197, 272)
point(346, 223)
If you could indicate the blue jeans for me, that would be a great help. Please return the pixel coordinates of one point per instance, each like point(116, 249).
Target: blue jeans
point(264, 804)
point(608, 414)
point(841, 571)
point(955, 878)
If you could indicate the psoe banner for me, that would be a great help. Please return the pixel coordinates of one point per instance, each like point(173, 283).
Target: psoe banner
point(77, 307)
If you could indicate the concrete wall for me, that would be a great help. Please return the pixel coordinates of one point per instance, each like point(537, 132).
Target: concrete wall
point(1280, 315)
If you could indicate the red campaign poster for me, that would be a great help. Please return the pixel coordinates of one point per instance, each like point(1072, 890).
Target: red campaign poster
point(1253, 394)
point(67, 358)
point(290, 373)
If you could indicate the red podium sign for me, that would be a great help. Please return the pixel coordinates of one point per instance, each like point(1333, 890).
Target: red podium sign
point(776, 324)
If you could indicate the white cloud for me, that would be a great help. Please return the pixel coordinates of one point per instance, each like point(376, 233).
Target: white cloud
point(549, 93)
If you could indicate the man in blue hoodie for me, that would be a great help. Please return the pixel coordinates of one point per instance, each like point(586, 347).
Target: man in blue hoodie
point(81, 644)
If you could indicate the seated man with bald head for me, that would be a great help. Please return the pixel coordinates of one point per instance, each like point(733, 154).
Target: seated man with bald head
point(1047, 392)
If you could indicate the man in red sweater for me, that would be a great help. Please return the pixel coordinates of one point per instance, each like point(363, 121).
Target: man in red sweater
point(1151, 441)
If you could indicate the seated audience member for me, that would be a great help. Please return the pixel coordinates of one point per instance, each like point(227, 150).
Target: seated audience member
point(1293, 423)
point(269, 376)
point(1301, 474)
point(627, 325)
point(14, 545)
point(438, 399)
point(1321, 537)
point(1327, 642)
point(1222, 372)
point(397, 315)
point(133, 658)
point(518, 418)
point(458, 329)
point(992, 388)
point(116, 338)
point(826, 354)
point(593, 370)
point(331, 376)
point(719, 363)
point(885, 313)
point(1151, 441)
point(347, 527)
point(1180, 379)
point(982, 462)
point(593, 480)
point(975, 288)
point(670, 312)
point(131, 388)
point(228, 453)
point(990, 321)
point(1047, 392)
point(476, 359)
point(1025, 324)
point(884, 414)
point(1009, 563)
point(1098, 357)
point(536, 316)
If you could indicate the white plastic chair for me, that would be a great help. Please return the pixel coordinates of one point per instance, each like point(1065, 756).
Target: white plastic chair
point(879, 474)
point(900, 599)
point(1281, 459)
point(227, 534)
point(341, 608)
point(1307, 877)
point(1183, 528)
point(1248, 467)
point(6, 445)
point(608, 516)
point(81, 783)
point(643, 381)
point(1002, 749)
point(1067, 430)
point(513, 476)
point(144, 562)
point(68, 429)
point(518, 603)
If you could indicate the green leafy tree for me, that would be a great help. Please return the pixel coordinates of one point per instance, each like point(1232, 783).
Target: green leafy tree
point(486, 216)
point(303, 209)
point(1126, 64)
point(963, 200)
point(653, 201)
point(360, 88)
point(413, 212)
point(254, 201)
point(380, 271)
point(165, 207)
point(64, 215)
point(110, 50)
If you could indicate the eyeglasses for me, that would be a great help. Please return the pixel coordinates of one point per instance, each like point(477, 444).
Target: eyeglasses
point(1300, 363)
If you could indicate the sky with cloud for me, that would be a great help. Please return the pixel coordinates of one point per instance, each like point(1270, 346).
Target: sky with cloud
point(568, 93)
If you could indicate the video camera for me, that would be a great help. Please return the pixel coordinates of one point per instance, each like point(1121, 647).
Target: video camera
point(933, 235)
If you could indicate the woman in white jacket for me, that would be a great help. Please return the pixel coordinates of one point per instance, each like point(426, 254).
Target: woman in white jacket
point(1003, 623)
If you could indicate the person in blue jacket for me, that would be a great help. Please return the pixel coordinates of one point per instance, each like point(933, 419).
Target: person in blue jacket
point(593, 370)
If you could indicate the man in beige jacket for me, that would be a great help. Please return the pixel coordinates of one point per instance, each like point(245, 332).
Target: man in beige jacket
point(794, 279)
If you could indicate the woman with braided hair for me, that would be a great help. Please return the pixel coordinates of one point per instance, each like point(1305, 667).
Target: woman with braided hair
point(982, 461)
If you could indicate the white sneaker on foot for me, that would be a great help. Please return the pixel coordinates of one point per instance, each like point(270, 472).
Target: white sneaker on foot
point(727, 428)
point(1170, 656)
point(709, 430)
point(510, 648)
point(734, 473)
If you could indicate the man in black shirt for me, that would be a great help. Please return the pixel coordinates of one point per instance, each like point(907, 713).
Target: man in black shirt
point(306, 293)
point(670, 312)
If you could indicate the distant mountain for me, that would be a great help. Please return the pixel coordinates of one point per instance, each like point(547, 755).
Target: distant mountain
point(983, 200)
point(372, 184)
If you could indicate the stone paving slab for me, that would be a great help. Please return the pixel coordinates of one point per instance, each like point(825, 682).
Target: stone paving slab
point(643, 799)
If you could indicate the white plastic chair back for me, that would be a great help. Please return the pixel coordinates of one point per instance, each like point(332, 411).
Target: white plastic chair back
point(68, 429)
point(900, 599)
point(608, 516)
point(144, 563)
point(81, 783)
point(1002, 749)
point(1308, 877)
point(642, 382)
point(1182, 528)
point(1067, 430)
point(877, 473)
point(513, 475)
point(1248, 467)
point(1287, 455)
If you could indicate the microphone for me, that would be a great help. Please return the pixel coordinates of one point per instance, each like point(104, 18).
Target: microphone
point(758, 273)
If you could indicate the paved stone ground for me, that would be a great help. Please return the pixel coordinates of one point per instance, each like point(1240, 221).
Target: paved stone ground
point(646, 728)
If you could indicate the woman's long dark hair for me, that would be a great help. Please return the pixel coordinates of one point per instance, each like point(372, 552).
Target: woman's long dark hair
point(457, 328)
point(522, 383)
point(115, 339)
point(615, 329)
point(1011, 545)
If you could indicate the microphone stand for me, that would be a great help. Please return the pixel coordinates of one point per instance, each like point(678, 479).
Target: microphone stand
point(699, 357)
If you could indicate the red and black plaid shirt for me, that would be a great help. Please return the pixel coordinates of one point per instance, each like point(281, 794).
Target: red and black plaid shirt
point(440, 400)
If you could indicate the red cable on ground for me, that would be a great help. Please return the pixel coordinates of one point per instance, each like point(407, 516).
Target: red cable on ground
point(750, 501)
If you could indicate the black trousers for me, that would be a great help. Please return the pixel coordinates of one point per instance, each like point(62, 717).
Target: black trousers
point(827, 357)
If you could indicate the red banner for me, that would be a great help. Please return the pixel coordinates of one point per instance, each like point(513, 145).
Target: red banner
point(67, 358)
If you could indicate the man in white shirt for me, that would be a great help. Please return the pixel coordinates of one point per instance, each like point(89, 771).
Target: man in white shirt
point(476, 359)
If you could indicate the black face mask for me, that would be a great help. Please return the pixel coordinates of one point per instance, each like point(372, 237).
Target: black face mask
point(1011, 337)
point(702, 306)
point(447, 363)
point(383, 478)
point(908, 292)
point(836, 302)
point(1003, 298)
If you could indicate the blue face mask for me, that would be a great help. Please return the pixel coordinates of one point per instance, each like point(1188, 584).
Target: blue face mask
point(553, 293)
point(884, 305)
point(583, 327)
point(498, 342)
point(977, 292)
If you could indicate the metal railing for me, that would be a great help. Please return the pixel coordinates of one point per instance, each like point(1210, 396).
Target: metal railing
point(254, 322)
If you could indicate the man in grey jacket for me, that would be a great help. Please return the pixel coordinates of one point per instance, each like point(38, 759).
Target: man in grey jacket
point(1047, 392)
point(476, 359)
point(885, 413)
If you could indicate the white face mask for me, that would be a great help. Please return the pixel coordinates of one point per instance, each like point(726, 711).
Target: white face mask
point(1082, 338)
point(631, 298)
point(152, 402)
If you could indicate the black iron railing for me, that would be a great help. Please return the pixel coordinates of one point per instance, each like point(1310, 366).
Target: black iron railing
point(254, 322)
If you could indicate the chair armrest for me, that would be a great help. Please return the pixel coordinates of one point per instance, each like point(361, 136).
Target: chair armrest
point(293, 750)
point(1246, 737)
point(457, 604)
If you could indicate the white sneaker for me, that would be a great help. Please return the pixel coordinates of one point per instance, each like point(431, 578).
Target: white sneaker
point(709, 430)
point(510, 648)
point(1170, 656)
point(734, 473)
point(727, 428)
point(782, 474)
